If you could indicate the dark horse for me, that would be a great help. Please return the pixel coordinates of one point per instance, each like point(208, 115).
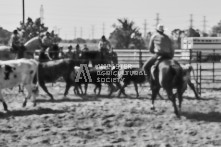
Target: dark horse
point(97, 58)
point(169, 76)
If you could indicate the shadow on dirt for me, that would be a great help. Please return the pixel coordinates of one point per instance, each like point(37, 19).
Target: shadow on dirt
point(200, 99)
point(83, 99)
point(39, 111)
point(208, 117)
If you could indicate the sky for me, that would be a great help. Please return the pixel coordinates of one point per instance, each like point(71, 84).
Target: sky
point(93, 18)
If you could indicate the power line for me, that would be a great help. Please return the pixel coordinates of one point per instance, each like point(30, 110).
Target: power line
point(23, 10)
point(157, 19)
point(103, 28)
point(42, 14)
point(191, 20)
point(204, 24)
point(81, 32)
point(92, 32)
point(75, 32)
point(145, 28)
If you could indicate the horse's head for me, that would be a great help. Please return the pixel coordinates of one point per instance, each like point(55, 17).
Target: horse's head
point(54, 51)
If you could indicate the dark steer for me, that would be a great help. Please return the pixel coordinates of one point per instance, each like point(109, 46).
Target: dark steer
point(94, 76)
point(52, 70)
point(132, 75)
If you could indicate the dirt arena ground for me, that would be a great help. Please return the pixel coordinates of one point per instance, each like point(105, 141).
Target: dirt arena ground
point(105, 122)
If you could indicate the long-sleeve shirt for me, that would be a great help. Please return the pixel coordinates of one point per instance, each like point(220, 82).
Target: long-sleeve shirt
point(160, 44)
point(104, 44)
point(15, 40)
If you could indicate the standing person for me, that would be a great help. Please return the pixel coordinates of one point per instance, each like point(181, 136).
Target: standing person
point(85, 48)
point(17, 45)
point(104, 46)
point(77, 53)
point(160, 45)
point(70, 53)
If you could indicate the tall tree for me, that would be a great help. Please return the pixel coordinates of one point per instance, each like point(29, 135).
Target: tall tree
point(216, 30)
point(125, 34)
point(35, 28)
point(4, 36)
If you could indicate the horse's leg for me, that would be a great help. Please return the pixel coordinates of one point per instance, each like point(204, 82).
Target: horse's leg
point(85, 88)
point(99, 89)
point(193, 88)
point(155, 91)
point(95, 88)
point(80, 87)
point(111, 89)
point(3, 102)
point(172, 97)
point(122, 90)
point(136, 89)
point(180, 98)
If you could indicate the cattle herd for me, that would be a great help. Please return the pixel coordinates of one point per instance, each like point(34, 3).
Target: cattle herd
point(30, 73)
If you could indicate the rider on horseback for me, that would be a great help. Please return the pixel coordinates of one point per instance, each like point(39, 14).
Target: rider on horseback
point(104, 46)
point(160, 45)
point(46, 43)
point(16, 44)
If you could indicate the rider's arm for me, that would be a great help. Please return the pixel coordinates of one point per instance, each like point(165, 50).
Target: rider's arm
point(99, 45)
point(109, 45)
point(151, 44)
point(10, 41)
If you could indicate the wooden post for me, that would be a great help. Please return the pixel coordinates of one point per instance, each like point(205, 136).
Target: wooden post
point(23, 11)
point(140, 59)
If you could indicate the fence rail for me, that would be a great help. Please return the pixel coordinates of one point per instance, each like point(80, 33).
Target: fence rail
point(206, 64)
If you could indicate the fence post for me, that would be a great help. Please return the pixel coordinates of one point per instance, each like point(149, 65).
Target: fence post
point(140, 58)
point(200, 80)
point(213, 70)
point(197, 72)
point(190, 51)
point(200, 55)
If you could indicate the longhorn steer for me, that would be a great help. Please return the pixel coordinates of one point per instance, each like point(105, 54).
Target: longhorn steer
point(20, 71)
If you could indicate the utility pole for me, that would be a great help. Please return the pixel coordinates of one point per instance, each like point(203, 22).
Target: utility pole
point(191, 20)
point(103, 28)
point(157, 19)
point(81, 32)
point(23, 10)
point(42, 14)
point(204, 24)
point(145, 28)
point(75, 32)
point(92, 32)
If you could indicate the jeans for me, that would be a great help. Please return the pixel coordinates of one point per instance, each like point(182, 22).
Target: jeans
point(149, 63)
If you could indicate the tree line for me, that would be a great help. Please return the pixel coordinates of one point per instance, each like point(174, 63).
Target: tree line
point(125, 34)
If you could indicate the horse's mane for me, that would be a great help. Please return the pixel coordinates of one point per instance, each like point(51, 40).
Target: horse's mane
point(33, 44)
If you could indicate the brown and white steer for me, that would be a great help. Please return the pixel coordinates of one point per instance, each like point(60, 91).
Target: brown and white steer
point(19, 72)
